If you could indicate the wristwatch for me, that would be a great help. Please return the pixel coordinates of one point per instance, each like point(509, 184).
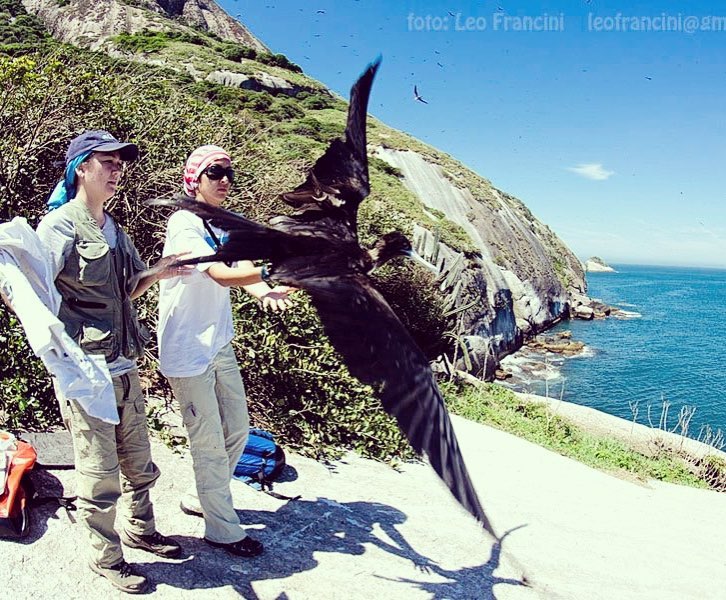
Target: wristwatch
point(265, 275)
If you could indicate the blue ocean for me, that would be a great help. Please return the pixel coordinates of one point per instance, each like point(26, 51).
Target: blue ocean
point(669, 349)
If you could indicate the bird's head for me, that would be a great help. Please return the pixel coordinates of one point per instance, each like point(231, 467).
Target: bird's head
point(390, 246)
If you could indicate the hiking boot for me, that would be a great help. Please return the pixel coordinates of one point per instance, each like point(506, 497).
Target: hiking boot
point(154, 542)
point(189, 505)
point(124, 576)
point(247, 547)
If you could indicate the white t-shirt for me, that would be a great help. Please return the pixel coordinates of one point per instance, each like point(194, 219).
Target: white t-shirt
point(195, 312)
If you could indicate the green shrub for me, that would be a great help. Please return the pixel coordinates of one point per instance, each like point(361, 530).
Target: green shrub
point(26, 394)
point(278, 60)
point(313, 128)
point(234, 99)
point(18, 29)
point(315, 101)
point(388, 169)
point(285, 109)
point(237, 52)
point(153, 41)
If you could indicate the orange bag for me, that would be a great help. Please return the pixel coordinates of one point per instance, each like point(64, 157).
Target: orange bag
point(18, 458)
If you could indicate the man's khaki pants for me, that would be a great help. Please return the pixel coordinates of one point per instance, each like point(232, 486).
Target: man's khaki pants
point(112, 462)
point(214, 409)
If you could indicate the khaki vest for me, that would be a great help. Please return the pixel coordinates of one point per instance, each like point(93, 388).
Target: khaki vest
point(95, 285)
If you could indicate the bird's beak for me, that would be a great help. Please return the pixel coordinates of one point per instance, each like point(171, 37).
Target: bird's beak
point(424, 263)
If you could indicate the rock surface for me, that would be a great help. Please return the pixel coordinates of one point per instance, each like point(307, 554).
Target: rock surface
point(517, 282)
point(261, 82)
point(597, 265)
point(559, 343)
point(89, 23)
point(363, 530)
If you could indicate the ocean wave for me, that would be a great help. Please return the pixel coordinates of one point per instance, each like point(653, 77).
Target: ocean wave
point(628, 314)
point(586, 352)
point(533, 368)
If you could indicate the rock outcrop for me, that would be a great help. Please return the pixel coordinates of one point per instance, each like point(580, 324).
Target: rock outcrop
point(89, 23)
point(261, 82)
point(597, 265)
point(583, 307)
point(520, 281)
point(559, 343)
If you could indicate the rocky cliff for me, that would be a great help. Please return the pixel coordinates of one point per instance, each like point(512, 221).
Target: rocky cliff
point(90, 23)
point(520, 280)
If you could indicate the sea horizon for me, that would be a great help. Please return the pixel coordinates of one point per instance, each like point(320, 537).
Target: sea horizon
point(615, 265)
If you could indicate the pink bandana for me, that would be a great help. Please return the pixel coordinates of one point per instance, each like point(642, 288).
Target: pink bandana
point(199, 160)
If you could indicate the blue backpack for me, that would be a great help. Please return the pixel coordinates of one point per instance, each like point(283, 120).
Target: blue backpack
point(262, 460)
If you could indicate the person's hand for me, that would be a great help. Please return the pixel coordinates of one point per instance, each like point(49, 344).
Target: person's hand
point(276, 299)
point(165, 269)
point(6, 300)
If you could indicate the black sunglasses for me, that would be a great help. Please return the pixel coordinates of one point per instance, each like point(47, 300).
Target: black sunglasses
point(216, 172)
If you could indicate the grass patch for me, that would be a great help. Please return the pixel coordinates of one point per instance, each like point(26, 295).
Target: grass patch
point(499, 407)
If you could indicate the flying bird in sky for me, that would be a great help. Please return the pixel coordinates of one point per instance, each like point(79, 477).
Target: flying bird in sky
point(417, 96)
point(317, 249)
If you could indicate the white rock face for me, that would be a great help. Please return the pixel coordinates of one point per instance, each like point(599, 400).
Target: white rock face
point(514, 285)
point(594, 265)
point(260, 82)
point(89, 23)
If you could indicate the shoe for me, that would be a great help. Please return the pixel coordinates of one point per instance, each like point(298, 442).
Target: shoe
point(154, 542)
point(247, 547)
point(123, 576)
point(190, 509)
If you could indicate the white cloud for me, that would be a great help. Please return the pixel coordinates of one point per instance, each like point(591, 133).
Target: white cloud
point(593, 171)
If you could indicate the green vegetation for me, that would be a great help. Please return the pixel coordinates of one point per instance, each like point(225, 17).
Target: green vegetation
point(496, 406)
point(561, 270)
point(26, 396)
point(18, 29)
point(154, 41)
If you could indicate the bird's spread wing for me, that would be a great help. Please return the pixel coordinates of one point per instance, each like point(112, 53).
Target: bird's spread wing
point(247, 239)
point(338, 181)
point(379, 351)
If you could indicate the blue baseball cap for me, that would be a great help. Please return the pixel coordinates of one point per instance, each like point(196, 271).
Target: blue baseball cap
point(100, 141)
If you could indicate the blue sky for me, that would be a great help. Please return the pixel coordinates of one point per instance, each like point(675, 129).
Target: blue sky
point(612, 136)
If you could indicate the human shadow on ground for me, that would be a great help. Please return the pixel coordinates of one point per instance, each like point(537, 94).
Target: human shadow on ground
point(47, 503)
point(292, 535)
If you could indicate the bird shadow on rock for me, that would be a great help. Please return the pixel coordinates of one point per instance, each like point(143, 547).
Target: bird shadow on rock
point(476, 583)
point(297, 530)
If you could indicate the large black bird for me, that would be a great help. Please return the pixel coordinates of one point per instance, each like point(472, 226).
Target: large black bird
point(317, 249)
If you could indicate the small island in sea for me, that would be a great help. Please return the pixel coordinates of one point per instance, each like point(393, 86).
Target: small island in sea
point(596, 264)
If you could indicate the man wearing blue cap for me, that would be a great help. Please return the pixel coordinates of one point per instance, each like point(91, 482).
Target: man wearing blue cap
point(98, 272)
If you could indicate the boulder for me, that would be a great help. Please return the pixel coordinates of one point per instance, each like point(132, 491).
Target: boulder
point(584, 312)
point(261, 82)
